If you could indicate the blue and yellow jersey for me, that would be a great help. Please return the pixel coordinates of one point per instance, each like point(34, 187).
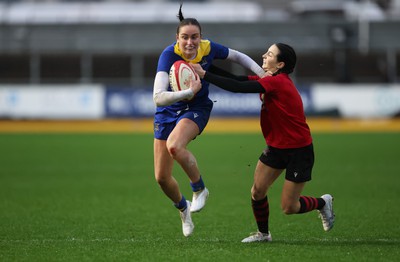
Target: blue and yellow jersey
point(207, 52)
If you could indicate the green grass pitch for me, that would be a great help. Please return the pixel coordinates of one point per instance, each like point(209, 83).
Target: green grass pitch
point(93, 197)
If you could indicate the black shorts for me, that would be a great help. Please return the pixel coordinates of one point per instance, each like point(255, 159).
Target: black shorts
point(298, 162)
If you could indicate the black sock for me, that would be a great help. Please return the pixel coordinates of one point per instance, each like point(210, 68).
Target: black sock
point(261, 213)
point(308, 204)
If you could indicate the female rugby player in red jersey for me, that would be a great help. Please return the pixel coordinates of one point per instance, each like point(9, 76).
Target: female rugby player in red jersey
point(181, 116)
point(287, 135)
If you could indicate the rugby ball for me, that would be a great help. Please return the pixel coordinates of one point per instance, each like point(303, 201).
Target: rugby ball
point(180, 74)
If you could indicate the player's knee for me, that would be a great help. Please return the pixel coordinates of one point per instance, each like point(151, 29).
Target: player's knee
point(161, 180)
point(173, 151)
point(288, 208)
point(256, 193)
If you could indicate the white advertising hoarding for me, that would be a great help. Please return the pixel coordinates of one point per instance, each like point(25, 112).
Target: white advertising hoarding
point(357, 100)
point(52, 101)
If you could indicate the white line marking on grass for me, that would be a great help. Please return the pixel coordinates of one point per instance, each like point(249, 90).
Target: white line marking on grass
point(133, 240)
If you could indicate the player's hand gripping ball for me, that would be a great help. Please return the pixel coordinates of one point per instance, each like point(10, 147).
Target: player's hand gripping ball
point(180, 74)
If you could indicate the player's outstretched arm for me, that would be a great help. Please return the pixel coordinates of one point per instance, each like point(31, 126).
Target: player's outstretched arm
point(233, 85)
point(219, 71)
point(245, 61)
point(227, 83)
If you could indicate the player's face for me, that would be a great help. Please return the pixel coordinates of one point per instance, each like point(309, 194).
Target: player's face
point(270, 60)
point(188, 39)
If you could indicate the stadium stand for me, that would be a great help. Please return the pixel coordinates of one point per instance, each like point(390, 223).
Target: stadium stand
point(118, 42)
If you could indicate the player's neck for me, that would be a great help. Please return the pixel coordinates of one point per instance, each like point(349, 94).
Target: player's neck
point(190, 58)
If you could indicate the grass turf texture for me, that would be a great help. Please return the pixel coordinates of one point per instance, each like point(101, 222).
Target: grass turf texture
point(93, 197)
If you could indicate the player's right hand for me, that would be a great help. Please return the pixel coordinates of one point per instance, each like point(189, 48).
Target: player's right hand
point(195, 85)
point(199, 70)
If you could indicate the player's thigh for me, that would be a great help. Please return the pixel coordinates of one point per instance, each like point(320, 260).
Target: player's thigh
point(163, 162)
point(184, 132)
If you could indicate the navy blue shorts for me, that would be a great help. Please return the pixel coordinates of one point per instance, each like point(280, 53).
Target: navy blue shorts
point(166, 122)
point(298, 162)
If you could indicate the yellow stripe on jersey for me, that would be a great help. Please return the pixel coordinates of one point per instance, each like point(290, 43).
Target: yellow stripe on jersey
point(204, 49)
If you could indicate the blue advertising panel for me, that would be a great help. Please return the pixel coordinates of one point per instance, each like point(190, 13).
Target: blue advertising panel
point(128, 102)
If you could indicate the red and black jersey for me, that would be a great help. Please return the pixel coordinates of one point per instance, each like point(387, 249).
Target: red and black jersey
point(282, 118)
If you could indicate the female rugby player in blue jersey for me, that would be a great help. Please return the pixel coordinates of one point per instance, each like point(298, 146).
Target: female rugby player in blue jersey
point(181, 116)
point(287, 135)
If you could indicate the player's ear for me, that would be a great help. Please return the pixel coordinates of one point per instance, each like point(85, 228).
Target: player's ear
point(280, 65)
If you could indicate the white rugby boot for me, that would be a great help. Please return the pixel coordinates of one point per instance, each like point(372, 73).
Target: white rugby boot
point(199, 200)
point(258, 237)
point(326, 213)
point(187, 223)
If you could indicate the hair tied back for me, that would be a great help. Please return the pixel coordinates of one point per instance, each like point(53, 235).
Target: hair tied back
point(180, 15)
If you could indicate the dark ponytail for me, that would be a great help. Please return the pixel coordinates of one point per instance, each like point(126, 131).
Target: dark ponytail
point(186, 21)
point(180, 15)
